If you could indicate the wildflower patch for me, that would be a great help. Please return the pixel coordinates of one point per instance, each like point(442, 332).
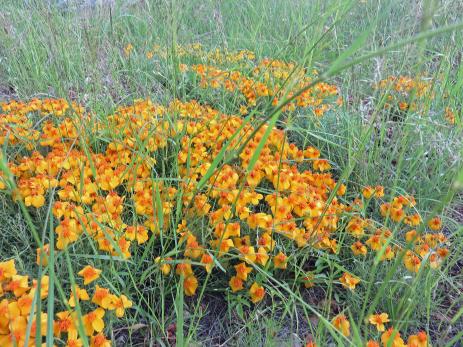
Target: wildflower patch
point(219, 195)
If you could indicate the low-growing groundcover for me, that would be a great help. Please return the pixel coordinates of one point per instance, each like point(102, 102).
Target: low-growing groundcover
point(254, 200)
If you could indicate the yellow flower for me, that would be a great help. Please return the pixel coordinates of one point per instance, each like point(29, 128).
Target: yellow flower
point(34, 200)
point(42, 255)
point(103, 298)
point(236, 283)
point(64, 323)
point(89, 274)
point(349, 281)
point(120, 304)
point(184, 269)
point(93, 321)
point(368, 192)
point(99, 340)
point(378, 320)
point(261, 256)
point(309, 280)
point(44, 282)
point(208, 262)
point(341, 323)
point(164, 267)
point(280, 261)
point(418, 340)
point(242, 271)
point(138, 232)
point(80, 293)
point(7, 270)
point(435, 223)
point(73, 339)
point(411, 262)
point(379, 192)
point(358, 248)
point(190, 284)
point(18, 285)
point(391, 338)
point(128, 49)
point(256, 292)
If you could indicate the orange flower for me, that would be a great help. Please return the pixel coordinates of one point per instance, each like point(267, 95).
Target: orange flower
point(341, 323)
point(372, 343)
point(43, 319)
point(412, 235)
point(418, 340)
point(411, 262)
point(435, 223)
point(68, 232)
point(261, 256)
point(378, 320)
point(356, 227)
point(99, 340)
point(44, 282)
point(280, 261)
point(349, 281)
point(64, 323)
point(321, 165)
point(222, 245)
point(207, 261)
point(375, 242)
point(17, 333)
point(103, 298)
point(236, 283)
point(34, 200)
point(89, 274)
point(18, 285)
point(120, 304)
point(7, 270)
point(138, 232)
point(358, 248)
point(128, 49)
point(368, 192)
point(413, 220)
point(93, 321)
point(256, 292)
point(309, 280)
point(73, 339)
point(397, 214)
point(25, 304)
point(184, 269)
point(266, 241)
point(391, 338)
point(379, 192)
point(242, 271)
point(190, 284)
point(342, 190)
point(42, 255)
point(388, 254)
point(80, 293)
point(248, 254)
point(165, 267)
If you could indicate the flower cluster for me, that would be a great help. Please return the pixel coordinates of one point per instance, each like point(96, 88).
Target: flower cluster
point(389, 337)
point(19, 300)
point(404, 92)
point(255, 81)
point(268, 83)
point(198, 51)
point(424, 245)
point(266, 192)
